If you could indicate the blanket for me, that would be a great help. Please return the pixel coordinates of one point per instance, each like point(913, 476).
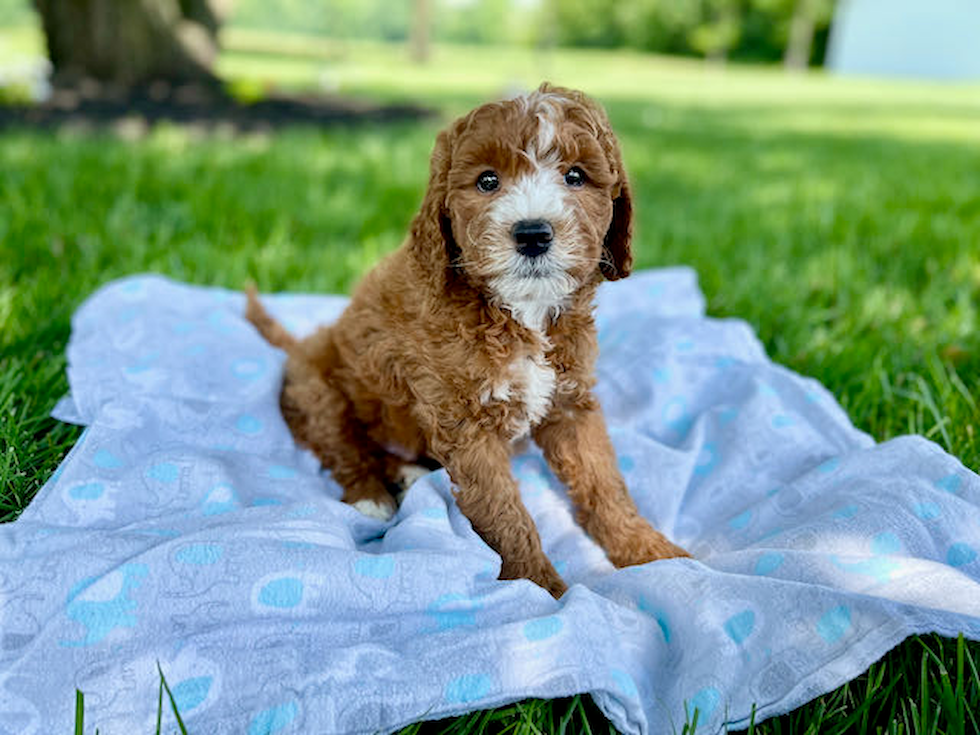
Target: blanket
point(187, 534)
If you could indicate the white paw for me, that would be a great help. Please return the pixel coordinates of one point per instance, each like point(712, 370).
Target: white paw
point(407, 475)
point(374, 509)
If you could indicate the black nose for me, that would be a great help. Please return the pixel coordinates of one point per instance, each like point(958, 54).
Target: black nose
point(533, 237)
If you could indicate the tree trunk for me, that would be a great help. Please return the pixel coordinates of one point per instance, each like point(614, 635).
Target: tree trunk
point(800, 42)
point(132, 42)
point(719, 35)
point(421, 25)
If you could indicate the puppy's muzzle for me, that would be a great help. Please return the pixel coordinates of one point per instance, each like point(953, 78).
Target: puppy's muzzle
point(533, 237)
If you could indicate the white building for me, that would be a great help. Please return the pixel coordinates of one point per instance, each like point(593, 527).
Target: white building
point(933, 39)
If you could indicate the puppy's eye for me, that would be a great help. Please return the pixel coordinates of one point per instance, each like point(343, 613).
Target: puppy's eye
point(487, 181)
point(575, 176)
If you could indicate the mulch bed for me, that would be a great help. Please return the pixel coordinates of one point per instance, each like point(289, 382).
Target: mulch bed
point(132, 111)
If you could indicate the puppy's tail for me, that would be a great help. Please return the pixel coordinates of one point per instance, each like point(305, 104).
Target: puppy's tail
point(274, 333)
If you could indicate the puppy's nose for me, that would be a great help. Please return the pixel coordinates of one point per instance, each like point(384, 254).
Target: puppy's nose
point(533, 237)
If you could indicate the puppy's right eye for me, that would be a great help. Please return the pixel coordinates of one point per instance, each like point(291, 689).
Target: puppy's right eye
point(487, 181)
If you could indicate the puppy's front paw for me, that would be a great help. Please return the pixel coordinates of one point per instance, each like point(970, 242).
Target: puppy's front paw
point(642, 546)
point(540, 571)
point(555, 585)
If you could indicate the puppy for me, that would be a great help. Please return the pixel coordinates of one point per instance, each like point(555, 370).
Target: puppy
point(478, 332)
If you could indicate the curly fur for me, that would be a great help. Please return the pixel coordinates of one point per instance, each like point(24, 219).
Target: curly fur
point(455, 346)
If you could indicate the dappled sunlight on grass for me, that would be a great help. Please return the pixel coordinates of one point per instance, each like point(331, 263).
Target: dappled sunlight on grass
point(756, 98)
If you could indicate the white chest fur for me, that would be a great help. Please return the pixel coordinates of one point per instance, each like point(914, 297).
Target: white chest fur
point(538, 379)
point(529, 386)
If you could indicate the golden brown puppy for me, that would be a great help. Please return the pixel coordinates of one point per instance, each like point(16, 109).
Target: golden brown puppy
point(479, 331)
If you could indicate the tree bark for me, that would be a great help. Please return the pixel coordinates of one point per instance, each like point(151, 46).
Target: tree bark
point(132, 42)
point(801, 29)
point(421, 26)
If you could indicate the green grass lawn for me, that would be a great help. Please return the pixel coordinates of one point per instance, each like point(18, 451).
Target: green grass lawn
point(841, 218)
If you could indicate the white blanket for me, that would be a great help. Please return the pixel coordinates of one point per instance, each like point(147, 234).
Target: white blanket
point(186, 530)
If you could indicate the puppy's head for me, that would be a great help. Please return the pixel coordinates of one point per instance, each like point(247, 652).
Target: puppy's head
point(528, 201)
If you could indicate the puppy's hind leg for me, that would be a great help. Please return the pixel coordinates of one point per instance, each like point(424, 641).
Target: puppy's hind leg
point(323, 418)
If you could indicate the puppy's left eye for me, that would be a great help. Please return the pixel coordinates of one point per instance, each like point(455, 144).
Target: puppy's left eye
point(488, 181)
point(575, 176)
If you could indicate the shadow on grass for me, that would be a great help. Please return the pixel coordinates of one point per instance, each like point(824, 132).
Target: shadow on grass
point(89, 106)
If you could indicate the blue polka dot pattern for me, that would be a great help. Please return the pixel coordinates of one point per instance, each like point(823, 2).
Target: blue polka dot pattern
point(190, 693)
point(375, 567)
point(220, 499)
point(675, 415)
point(704, 703)
point(949, 483)
point(247, 368)
point(165, 472)
point(740, 626)
point(880, 568)
point(452, 611)
point(248, 424)
point(782, 421)
point(834, 624)
point(657, 614)
point(106, 460)
point(927, 511)
point(280, 472)
point(468, 688)
point(727, 415)
point(829, 465)
point(624, 683)
point(707, 459)
point(886, 543)
point(104, 605)
point(960, 554)
point(284, 592)
point(741, 521)
point(541, 629)
point(200, 554)
point(88, 491)
point(273, 720)
point(768, 563)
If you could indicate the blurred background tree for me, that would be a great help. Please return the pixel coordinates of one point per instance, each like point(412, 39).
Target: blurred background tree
point(805, 18)
point(719, 29)
point(757, 30)
point(132, 42)
point(375, 19)
point(178, 38)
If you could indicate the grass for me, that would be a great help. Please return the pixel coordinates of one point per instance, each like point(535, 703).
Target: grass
point(839, 217)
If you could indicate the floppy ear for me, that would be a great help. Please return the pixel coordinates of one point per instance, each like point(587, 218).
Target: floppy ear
point(433, 246)
point(617, 251)
point(617, 254)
